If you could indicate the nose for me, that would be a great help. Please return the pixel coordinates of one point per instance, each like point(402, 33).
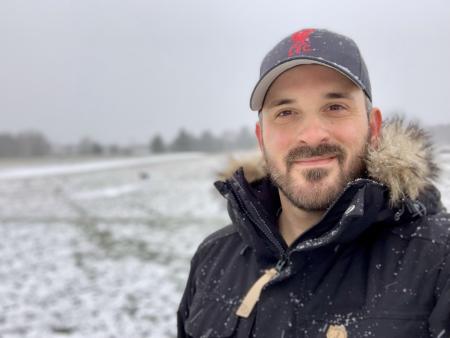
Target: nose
point(313, 131)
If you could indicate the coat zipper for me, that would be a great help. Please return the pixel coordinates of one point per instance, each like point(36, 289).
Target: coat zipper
point(252, 296)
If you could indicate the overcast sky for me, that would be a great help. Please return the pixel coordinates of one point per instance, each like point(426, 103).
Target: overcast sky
point(122, 71)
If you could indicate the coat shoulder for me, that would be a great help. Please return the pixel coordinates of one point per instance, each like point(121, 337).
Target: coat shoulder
point(218, 236)
point(434, 229)
point(219, 247)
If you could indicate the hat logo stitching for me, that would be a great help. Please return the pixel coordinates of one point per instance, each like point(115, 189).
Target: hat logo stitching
point(300, 42)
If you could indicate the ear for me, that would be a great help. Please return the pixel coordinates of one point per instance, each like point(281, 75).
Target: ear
point(258, 133)
point(375, 122)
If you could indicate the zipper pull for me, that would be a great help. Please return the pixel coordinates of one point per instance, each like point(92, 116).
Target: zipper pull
point(252, 296)
point(281, 263)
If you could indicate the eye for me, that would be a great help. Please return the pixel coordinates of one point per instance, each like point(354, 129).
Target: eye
point(284, 113)
point(336, 107)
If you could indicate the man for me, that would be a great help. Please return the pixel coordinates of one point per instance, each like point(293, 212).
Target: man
point(342, 234)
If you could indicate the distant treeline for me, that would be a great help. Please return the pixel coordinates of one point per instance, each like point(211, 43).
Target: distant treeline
point(24, 144)
point(206, 142)
point(36, 144)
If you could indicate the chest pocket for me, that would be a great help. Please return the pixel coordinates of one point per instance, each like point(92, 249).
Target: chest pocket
point(211, 317)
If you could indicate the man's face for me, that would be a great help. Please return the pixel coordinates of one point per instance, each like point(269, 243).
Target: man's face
point(314, 132)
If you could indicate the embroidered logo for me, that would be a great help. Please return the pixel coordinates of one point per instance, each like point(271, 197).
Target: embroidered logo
point(337, 331)
point(300, 42)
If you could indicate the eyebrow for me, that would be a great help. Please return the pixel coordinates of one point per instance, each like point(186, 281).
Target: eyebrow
point(280, 102)
point(330, 95)
point(338, 95)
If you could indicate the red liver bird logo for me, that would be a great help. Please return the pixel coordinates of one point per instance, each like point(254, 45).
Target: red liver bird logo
point(300, 42)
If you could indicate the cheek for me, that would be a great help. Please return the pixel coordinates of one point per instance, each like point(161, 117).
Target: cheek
point(277, 140)
point(353, 138)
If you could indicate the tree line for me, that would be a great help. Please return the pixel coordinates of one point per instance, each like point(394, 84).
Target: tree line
point(206, 142)
point(36, 144)
point(24, 144)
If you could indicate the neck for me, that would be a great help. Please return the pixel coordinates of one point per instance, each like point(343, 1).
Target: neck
point(294, 221)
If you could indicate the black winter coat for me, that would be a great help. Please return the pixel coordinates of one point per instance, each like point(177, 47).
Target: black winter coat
point(367, 269)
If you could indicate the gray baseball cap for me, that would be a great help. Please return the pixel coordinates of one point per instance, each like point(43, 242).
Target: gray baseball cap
point(312, 46)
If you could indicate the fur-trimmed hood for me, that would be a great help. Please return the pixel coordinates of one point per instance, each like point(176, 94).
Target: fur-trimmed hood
point(403, 161)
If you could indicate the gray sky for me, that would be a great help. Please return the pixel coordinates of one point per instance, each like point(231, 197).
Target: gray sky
point(121, 71)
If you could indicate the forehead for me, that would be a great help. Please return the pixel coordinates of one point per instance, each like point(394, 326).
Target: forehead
point(310, 79)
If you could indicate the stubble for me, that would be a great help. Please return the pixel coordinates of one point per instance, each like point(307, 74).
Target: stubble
point(317, 193)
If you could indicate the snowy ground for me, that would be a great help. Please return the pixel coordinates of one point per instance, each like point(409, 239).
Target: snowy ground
point(102, 249)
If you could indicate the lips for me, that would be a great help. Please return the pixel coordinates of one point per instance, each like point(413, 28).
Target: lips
point(315, 161)
point(322, 155)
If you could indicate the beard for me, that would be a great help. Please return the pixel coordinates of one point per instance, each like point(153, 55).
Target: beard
point(316, 194)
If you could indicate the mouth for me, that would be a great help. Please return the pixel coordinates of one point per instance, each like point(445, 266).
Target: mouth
point(317, 161)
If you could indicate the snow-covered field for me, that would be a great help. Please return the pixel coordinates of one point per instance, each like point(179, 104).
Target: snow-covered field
point(102, 249)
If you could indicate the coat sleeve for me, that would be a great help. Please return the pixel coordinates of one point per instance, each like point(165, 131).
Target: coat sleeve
point(186, 300)
point(439, 320)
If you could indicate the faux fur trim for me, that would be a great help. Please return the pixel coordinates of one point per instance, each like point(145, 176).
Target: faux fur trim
point(253, 164)
point(403, 160)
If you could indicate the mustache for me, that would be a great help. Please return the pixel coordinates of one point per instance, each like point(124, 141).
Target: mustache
point(305, 152)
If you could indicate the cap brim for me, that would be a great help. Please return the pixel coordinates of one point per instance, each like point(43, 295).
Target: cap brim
point(263, 85)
